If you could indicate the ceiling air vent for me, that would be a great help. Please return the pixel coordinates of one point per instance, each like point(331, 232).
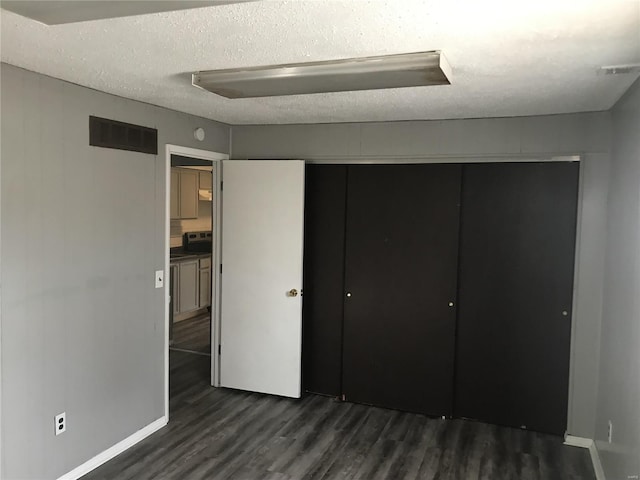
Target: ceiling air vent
point(122, 136)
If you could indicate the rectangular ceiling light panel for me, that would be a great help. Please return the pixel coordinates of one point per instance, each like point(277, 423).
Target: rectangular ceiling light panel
point(370, 73)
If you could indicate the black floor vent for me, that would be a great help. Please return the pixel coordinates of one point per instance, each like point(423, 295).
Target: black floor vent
point(123, 136)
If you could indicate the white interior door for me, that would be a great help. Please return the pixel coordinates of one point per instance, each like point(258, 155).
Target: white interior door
point(262, 237)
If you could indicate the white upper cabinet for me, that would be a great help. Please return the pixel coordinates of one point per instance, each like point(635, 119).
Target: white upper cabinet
point(206, 180)
point(184, 193)
point(175, 197)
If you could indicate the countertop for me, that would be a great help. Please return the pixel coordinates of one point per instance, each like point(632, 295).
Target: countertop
point(178, 255)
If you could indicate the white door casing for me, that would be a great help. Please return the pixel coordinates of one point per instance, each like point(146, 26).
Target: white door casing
point(262, 248)
point(215, 159)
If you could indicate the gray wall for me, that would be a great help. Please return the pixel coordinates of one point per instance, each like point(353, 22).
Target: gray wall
point(619, 387)
point(543, 135)
point(82, 234)
point(496, 139)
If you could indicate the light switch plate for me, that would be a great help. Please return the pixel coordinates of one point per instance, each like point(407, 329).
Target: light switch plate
point(159, 278)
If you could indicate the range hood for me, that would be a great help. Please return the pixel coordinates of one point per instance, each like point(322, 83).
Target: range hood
point(205, 195)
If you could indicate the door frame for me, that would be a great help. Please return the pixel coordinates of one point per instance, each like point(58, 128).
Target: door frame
point(216, 161)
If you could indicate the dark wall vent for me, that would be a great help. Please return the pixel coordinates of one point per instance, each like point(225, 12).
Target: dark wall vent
point(123, 136)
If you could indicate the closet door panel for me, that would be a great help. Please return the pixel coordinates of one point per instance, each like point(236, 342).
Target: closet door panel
point(323, 278)
point(515, 293)
point(400, 276)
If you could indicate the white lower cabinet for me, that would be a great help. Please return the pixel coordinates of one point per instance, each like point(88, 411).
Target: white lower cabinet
point(188, 291)
point(205, 287)
point(192, 285)
point(175, 294)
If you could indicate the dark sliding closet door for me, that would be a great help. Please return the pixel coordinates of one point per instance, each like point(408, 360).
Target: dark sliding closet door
point(400, 276)
point(515, 293)
point(325, 192)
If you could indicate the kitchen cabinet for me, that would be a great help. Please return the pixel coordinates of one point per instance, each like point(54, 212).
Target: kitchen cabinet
point(175, 197)
point(191, 285)
point(184, 193)
point(174, 282)
point(188, 193)
point(205, 282)
point(188, 291)
point(206, 180)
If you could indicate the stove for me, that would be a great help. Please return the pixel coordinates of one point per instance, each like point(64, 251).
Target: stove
point(198, 241)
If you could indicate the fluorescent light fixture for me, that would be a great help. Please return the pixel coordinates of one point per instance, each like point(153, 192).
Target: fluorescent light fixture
point(369, 73)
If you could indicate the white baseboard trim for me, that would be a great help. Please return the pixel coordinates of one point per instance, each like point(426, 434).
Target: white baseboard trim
point(117, 449)
point(593, 452)
point(595, 459)
point(577, 441)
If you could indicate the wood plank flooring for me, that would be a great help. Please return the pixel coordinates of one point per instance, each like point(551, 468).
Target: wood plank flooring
point(193, 334)
point(226, 434)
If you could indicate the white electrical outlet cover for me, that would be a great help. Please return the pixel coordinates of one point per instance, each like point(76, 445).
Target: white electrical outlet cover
point(61, 423)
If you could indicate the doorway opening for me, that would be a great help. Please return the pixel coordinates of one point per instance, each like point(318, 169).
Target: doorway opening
point(192, 241)
point(191, 247)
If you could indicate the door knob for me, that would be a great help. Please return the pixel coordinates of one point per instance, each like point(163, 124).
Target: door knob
point(293, 292)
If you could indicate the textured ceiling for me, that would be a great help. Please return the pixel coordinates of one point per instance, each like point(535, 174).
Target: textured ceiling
point(509, 58)
point(55, 12)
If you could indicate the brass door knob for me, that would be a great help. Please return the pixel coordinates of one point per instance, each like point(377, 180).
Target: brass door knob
point(293, 292)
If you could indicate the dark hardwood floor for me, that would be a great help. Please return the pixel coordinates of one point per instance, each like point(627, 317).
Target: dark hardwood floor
point(227, 434)
point(193, 334)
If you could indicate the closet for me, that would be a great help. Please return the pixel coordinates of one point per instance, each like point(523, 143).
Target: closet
point(443, 289)
point(400, 276)
point(516, 267)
